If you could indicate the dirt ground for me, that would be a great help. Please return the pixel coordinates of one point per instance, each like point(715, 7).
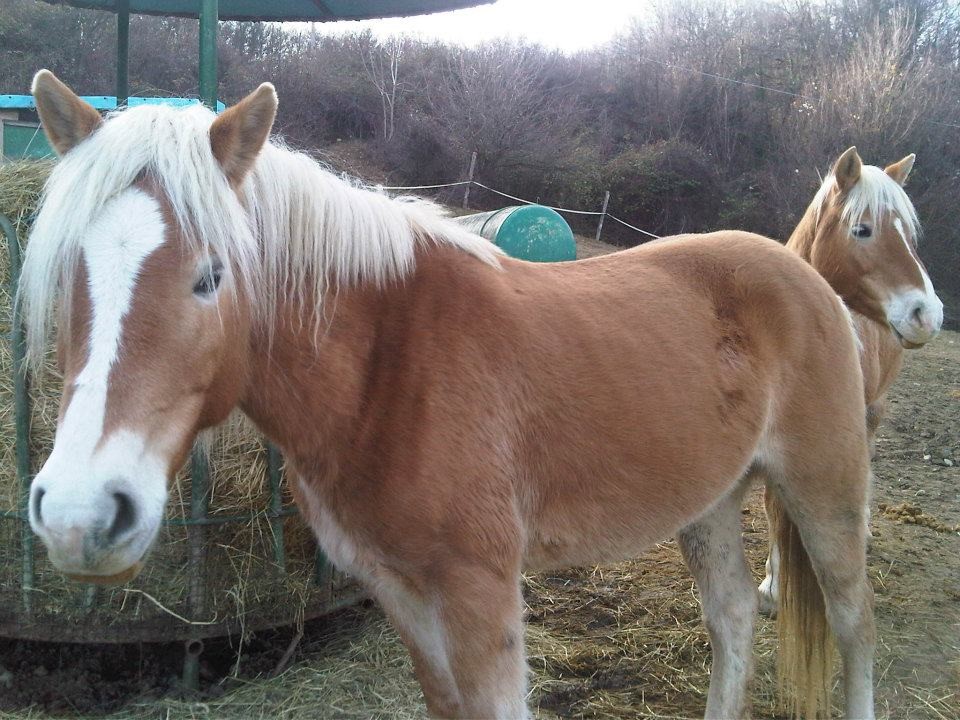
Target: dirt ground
point(615, 641)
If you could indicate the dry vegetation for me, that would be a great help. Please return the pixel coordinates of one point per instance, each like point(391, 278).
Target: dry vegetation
point(700, 115)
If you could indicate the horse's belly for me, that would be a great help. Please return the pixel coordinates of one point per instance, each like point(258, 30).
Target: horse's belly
point(618, 517)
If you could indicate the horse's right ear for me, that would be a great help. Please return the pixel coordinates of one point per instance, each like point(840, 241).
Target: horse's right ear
point(238, 134)
point(67, 120)
point(847, 169)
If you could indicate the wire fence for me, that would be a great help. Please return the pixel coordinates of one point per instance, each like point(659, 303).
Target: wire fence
point(601, 214)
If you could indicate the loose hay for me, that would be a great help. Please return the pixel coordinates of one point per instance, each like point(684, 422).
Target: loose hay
point(241, 587)
point(618, 641)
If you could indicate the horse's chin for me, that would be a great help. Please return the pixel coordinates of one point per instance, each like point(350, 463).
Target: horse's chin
point(120, 578)
point(904, 343)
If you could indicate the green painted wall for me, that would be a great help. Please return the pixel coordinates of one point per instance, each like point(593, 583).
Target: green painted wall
point(24, 140)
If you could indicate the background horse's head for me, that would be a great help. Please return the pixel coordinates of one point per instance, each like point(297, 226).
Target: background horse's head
point(154, 325)
point(860, 232)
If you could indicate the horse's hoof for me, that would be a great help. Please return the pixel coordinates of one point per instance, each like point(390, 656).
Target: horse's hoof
point(768, 603)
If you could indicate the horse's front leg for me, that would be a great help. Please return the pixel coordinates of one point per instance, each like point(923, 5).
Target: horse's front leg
point(464, 630)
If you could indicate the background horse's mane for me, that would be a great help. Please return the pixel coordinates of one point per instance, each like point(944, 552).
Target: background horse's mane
point(298, 226)
point(875, 193)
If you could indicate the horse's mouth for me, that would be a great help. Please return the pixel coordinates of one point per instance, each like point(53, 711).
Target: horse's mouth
point(120, 578)
point(906, 344)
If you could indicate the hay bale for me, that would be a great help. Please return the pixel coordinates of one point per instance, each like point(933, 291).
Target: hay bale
point(240, 587)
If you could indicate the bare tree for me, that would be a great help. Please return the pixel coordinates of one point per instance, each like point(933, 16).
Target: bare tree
point(881, 97)
point(381, 65)
point(497, 100)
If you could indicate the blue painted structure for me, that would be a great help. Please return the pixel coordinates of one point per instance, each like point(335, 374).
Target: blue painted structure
point(102, 102)
point(24, 138)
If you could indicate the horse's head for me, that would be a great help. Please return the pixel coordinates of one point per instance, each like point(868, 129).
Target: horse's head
point(154, 322)
point(860, 233)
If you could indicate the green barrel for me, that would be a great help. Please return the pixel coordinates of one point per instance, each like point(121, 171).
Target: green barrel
point(528, 232)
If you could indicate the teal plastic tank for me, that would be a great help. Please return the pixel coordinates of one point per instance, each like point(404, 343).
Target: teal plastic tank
point(528, 232)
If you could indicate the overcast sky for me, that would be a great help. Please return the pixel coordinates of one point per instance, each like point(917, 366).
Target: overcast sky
point(569, 25)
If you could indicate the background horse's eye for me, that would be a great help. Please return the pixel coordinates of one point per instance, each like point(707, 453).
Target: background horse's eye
point(209, 280)
point(861, 231)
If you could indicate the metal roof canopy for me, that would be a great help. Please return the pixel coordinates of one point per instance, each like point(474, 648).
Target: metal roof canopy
point(210, 12)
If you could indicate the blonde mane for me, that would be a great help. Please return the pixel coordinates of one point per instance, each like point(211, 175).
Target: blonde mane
point(875, 193)
point(296, 225)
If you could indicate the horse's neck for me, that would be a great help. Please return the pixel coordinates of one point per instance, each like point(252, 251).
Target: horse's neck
point(801, 241)
point(881, 357)
point(316, 393)
point(305, 382)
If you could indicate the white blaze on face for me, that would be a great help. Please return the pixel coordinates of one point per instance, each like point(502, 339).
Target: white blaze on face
point(915, 313)
point(85, 471)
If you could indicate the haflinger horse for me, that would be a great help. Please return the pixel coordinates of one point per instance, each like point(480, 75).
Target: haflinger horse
point(449, 416)
point(860, 232)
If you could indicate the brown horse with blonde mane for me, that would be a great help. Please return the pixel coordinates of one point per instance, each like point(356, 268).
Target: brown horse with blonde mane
point(449, 416)
point(860, 232)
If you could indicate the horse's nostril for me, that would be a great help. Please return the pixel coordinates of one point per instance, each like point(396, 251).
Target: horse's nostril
point(918, 315)
point(37, 499)
point(125, 518)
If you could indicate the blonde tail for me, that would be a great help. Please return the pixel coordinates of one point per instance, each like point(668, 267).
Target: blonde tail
point(806, 644)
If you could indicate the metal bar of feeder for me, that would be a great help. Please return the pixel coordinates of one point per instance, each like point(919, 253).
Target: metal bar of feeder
point(199, 504)
point(123, 52)
point(321, 567)
point(21, 414)
point(274, 464)
point(225, 519)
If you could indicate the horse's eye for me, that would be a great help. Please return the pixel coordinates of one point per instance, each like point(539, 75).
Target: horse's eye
point(861, 231)
point(209, 281)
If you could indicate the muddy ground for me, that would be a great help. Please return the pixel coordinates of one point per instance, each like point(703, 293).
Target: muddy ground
point(615, 641)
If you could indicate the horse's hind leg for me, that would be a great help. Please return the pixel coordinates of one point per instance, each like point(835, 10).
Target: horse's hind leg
point(713, 549)
point(826, 503)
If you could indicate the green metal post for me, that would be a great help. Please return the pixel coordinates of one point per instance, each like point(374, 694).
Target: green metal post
point(199, 503)
point(209, 14)
point(21, 414)
point(123, 48)
point(274, 463)
point(321, 567)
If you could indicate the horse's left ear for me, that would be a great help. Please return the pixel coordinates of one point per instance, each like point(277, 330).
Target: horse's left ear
point(238, 134)
point(900, 171)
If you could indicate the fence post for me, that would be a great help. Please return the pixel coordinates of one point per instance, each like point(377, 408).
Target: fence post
point(603, 213)
point(466, 190)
